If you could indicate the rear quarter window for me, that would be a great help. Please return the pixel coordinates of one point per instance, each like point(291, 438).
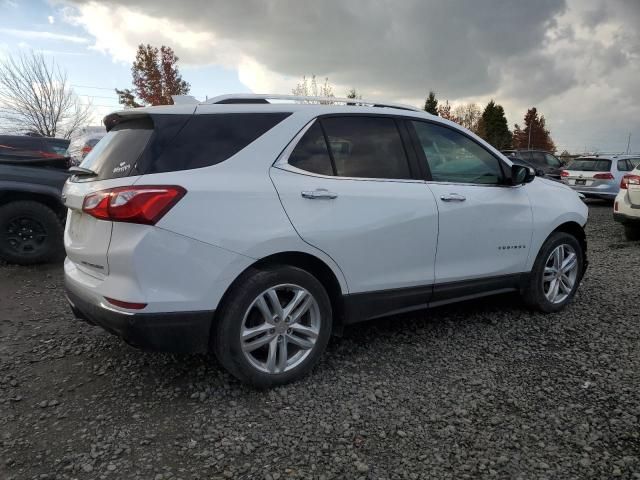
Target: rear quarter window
point(209, 139)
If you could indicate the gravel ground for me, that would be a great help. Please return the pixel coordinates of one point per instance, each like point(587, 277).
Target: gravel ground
point(485, 389)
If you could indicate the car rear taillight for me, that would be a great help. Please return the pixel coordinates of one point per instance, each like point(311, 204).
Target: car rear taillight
point(603, 176)
point(629, 179)
point(145, 204)
point(86, 149)
point(564, 173)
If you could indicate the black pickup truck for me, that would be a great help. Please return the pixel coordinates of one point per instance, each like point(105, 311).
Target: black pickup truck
point(31, 211)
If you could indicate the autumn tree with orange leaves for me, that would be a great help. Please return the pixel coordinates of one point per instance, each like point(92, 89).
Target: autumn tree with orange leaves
point(155, 78)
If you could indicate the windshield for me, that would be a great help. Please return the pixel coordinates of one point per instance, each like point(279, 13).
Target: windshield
point(590, 165)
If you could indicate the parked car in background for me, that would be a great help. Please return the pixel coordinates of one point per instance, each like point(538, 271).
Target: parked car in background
point(82, 144)
point(34, 150)
point(626, 208)
point(255, 230)
point(31, 211)
point(597, 176)
point(549, 164)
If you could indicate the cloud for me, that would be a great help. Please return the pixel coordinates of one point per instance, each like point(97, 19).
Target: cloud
point(41, 35)
point(51, 20)
point(563, 56)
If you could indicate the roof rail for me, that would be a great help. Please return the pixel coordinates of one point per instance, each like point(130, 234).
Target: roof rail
point(264, 98)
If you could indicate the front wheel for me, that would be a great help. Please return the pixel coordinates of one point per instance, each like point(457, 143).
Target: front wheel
point(556, 273)
point(273, 326)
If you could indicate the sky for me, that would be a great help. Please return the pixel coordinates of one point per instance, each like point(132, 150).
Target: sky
point(577, 61)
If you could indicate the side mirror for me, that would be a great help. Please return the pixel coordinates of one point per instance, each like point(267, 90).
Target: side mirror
point(521, 174)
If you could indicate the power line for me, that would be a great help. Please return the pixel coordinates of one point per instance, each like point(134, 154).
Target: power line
point(91, 86)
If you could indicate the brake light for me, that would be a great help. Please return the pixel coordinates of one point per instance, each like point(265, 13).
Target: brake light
point(603, 176)
point(629, 179)
point(86, 149)
point(564, 173)
point(145, 204)
point(129, 305)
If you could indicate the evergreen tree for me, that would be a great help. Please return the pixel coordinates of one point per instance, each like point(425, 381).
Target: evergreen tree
point(493, 126)
point(431, 104)
point(534, 135)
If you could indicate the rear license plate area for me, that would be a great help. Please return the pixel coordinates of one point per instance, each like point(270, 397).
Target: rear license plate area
point(581, 182)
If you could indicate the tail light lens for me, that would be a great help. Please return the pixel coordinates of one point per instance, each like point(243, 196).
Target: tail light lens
point(629, 179)
point(86, 149)
point(564, 173)
point(603, 176)
point(145, 204)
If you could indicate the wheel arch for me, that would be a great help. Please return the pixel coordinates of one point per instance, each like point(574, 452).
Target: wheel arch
point(50, 201)
point(313, 265)
point(576, 230)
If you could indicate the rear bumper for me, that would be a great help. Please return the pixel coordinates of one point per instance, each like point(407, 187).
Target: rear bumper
point(605, 191)
point(626, 219)
point(178, 332)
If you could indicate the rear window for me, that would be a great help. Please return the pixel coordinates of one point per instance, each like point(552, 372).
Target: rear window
point(118, 152)
point(590, 165)
point(166, 143)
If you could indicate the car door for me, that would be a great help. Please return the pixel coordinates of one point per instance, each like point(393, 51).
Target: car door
point(485, 226)
point(349, 189)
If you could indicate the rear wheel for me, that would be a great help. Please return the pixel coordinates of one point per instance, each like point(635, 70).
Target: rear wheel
point(30, 232)
point(556, 273)
point(273, 326)
point(632, 232)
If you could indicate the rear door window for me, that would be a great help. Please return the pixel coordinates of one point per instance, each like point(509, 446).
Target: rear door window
point(366, 147)
point(538, 159)
point(551, 160)
point(311, 153)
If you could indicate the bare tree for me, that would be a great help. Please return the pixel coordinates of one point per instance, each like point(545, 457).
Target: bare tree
point(309, 87)
point(468, 115)
point(36, 98)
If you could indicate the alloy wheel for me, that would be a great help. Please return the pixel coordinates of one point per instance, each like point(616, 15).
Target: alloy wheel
point(280, 328)
point(560, 273)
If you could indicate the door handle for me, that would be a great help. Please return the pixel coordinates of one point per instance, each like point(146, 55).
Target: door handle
point(453, 197)
point(319, 194)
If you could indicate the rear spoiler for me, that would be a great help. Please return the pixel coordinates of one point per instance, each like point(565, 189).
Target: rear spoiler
point(117, 118)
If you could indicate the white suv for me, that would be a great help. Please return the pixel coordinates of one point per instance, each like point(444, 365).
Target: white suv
point(255, 229)
point(626, 208)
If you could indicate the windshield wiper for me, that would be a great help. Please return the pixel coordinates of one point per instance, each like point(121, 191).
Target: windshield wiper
point(82, 172)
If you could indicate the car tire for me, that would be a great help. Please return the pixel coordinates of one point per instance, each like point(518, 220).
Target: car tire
point(30, 232)
point(631, 233)
point(261, 343)
point(539, 293)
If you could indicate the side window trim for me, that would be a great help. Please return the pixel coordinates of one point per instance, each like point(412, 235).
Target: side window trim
point(425, 163)
point(326, 142)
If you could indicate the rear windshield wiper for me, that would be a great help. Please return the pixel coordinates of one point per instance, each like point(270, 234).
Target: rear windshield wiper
point(82, 172)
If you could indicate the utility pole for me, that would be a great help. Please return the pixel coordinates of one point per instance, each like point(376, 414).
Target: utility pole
point(628, 142)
